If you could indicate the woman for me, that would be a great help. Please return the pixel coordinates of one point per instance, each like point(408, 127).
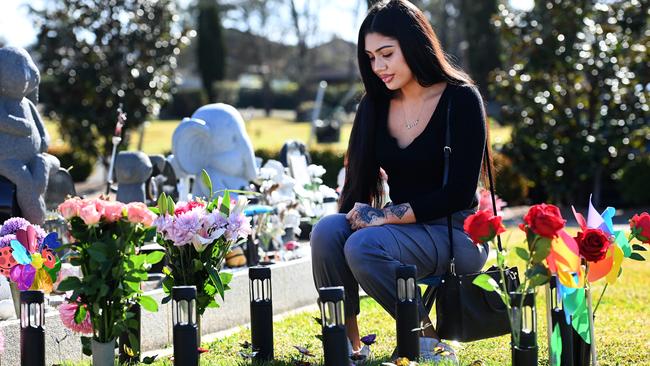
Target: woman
point(400, 128)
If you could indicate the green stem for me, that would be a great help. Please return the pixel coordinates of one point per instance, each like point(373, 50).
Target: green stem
point(182, 260)
point(600, 298)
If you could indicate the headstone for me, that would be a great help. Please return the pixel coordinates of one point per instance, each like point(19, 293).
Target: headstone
point(8, 203)
point(59, 187)
point(292, 147)
point(23, 137)
point(214, 139)
point(162, 179)
point(132, 169)
point(7, 309)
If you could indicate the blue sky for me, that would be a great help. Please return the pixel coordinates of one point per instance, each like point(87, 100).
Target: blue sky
point(336, 18)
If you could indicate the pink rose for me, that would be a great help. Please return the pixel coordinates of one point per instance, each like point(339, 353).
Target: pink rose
point(138, 213)
point(70, 208)
point(113, 211)
point(90, 215)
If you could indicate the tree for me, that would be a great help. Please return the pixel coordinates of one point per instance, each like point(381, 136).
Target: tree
point(256, 17)
point(211, 49)
point(305, 24)
point(574, 88)
point(481, 55)
point(445, 18)
point(93, 61)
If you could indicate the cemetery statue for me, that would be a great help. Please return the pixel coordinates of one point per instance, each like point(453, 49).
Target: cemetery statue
point(132, 169)
point(214, 139)
point(23, 137)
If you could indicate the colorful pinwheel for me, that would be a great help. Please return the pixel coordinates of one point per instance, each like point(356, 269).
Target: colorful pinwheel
point(31, 265)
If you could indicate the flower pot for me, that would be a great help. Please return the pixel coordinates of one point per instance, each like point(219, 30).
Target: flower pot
point(581, 351)
point(103, 353)
point(557, 318)
point(252, 254)
point(524, 347)
point(15, 296)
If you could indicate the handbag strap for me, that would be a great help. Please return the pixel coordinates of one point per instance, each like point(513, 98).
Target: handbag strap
point(445, 178)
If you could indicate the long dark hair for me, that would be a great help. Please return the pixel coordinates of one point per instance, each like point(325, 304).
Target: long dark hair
point(427, 61)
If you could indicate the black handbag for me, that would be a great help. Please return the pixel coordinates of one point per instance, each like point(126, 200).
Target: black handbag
point(464, 311)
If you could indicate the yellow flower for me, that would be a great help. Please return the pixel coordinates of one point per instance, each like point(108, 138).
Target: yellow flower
point(403, 361)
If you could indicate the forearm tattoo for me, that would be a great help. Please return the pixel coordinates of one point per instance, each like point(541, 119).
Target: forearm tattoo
point(398, 210)
point(368, 213)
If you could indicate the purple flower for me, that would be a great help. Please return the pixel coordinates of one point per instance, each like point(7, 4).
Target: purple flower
point(12, 225)
point(40, 233)
point(5, 240)
point(369, 339)
point(215, 220)
point(185, 226)
point(239, 226)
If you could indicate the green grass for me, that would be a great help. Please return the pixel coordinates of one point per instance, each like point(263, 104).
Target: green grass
point(622, 328)
point(267, 133)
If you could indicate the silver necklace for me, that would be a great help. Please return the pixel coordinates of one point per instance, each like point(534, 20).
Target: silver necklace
point(417, 119)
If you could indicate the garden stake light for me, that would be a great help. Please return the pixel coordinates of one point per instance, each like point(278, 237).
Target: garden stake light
point(130, 352)
point(185, 326)
point(335, 344)
point(32, 333)
point(261, 312)
point(524, 352)
point(407, 314)
point(557, 318)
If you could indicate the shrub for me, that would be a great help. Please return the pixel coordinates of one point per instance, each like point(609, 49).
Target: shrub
point(280, 99)
point(184, 103)
point(331, 160)
point(572, 88)
point(510, 185)
point(633, 180)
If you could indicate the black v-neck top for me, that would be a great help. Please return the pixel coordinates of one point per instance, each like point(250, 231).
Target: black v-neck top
point(415, 172)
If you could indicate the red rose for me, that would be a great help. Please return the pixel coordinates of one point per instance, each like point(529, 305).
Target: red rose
point(188, 207)
point(544, 220)
point(593, 244)
point(640, 226)
point(483, 226)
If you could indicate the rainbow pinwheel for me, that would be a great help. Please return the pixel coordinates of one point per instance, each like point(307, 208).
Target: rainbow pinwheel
point(575, 272)
point(30, 264)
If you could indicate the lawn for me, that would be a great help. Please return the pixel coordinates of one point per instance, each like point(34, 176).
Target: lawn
point(265, 133)
point(622, 329)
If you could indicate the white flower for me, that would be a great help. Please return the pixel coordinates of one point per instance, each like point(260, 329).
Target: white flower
point(241, 204)
point(316, 171)
point(267, 173)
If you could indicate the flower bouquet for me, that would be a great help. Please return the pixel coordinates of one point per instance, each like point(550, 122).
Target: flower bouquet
point(542, 225)
point(27, 257)
point(596, 253)
point(196, 236)
point(107, 235)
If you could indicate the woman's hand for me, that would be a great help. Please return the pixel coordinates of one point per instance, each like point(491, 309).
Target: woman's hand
point(363, 215)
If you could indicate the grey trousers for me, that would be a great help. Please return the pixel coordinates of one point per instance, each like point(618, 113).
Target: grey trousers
point(369, 257)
